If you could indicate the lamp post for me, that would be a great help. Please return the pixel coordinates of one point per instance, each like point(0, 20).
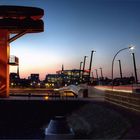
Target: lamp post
point(135, 69)
point(84, 66)
point(81, 65)
point(80, 70)
point(62, 69)
point(130, 47)
point(96, 73)
point(101, 73)
point(92, 75)
point(18, 70)
point(120, 68)
point(91, 62)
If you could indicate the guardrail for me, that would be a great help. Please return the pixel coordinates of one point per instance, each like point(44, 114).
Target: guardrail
point(127, 100)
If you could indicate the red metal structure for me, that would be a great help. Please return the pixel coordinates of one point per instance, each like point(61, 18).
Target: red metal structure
point(17, 20)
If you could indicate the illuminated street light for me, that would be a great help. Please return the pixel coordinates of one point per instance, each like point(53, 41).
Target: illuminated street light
point(131, 47)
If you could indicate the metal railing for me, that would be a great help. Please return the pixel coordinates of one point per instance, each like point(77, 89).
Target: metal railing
point(127, 100)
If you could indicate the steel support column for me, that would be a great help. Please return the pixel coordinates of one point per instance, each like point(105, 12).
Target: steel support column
point(4, 66)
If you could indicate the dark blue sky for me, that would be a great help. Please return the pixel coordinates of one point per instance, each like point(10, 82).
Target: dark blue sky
point(75, 27)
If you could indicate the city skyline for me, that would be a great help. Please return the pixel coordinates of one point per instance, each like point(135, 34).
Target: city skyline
point(73, 28)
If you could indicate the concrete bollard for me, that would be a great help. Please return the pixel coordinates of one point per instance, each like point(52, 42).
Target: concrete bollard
point(58, 129)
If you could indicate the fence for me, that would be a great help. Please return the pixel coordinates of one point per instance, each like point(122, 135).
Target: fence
point(127, 100)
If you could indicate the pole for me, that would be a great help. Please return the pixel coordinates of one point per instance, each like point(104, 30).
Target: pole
point(135, 69)
point(18, 70)
point(96, 73)
point(120, 68)
point(113, 62)
point(84, 66)
point(81, 65)
point(101, 73)
point(62, 68)
point(91, 61)
point(92, 75)
point(80, 70)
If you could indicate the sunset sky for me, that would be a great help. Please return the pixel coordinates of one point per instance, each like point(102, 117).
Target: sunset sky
point(72, 28)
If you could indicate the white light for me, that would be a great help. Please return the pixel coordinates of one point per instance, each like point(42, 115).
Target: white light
point(131, 47)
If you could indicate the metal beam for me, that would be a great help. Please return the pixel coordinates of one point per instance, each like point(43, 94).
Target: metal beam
point(17, 36)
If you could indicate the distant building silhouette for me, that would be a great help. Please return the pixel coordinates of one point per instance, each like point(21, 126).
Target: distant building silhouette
point(53, 80)
point(34, 80)
point(14, 80)
point(34, 77)
point(65, 77)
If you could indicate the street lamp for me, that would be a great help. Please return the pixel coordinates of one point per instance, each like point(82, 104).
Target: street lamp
point(81, 65)
point(135, 69)
point(80, 70)
point(130, 48)
point(96, 73)
point(120, 68)
point(91, 62)
point(18, 70)
point(84, 66)
point(101, 73)
point(92, 75)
